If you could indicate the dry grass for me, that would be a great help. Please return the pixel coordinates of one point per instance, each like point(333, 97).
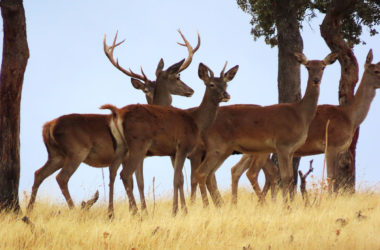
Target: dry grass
point(346, 222)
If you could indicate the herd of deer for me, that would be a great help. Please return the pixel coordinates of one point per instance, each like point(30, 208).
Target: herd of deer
point(206, 134)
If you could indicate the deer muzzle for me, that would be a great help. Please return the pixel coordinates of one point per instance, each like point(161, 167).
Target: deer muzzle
point(316, 81)
point(189, 93)
point(226, 97)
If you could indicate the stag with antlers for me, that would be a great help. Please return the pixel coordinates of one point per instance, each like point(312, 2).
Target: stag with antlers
point(154, 130)
point(92, 138)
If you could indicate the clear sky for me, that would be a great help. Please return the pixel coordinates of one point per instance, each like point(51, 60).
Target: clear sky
point(68, 73)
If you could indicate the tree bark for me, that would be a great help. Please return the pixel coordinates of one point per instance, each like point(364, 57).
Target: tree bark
point(289, 41)
point(15, 57)
point(331, 33)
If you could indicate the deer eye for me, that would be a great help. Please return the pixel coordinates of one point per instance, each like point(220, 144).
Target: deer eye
point(212, 85)
point(178, 76)
point(377, 72)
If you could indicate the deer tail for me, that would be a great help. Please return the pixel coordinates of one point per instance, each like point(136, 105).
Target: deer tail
point(116, 124)
point(48, 135)
point(112, 108)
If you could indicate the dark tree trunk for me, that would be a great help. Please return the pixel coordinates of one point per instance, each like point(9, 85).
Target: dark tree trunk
point(15, 57)
point(331, 33)
point(289, 41)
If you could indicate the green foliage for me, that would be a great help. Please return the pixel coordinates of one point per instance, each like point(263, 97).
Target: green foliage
point(365, 13)
point(263, 20)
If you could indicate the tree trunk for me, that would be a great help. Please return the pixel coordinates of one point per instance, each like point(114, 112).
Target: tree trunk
point(331, 33)
point(289, 41)
point(15, 57)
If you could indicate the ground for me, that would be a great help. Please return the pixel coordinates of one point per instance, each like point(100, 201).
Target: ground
point(343, 222)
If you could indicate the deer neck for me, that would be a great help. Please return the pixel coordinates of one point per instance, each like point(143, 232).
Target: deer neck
point(308, 104)
point(149, 100)
point(204, 115)
point(162, 95)
point(359, 107)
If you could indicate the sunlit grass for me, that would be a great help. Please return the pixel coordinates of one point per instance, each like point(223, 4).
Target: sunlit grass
point(345, 222)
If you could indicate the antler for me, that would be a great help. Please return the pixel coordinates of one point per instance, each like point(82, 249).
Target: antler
point(190, 49)
point(224, 68)
point(108, 50)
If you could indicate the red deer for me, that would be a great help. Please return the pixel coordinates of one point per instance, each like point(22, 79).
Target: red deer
point(90, 138)
point(280, 128)
point(344, 120)
point(153, 130)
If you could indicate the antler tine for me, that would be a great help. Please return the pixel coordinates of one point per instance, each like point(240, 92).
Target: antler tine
point(142, 72)
point(133, 74)
point(224, 68)
point(199, 42)
point(190, 50)
point(117, 44)
point(108, 50)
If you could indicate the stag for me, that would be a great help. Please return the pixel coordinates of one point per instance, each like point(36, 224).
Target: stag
point(280, 128)
point(344, 120)
point(93, 138)
point(167, 131)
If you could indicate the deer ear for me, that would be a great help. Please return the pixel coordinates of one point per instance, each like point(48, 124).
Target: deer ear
point(300, 57)
point(160, 66)
point(175, 67)
point(230, 74)
point(369, 58)
point(203, 72)
point(137, 84)
point(331, 58)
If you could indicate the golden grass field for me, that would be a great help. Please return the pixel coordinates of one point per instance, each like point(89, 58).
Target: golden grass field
point(344, 222)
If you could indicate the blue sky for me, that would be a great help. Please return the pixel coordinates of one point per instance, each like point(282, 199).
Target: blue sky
point(68, 73)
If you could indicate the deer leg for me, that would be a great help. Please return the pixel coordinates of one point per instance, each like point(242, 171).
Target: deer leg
point(236, 172)
point(130, 182)
point(195, 162)
point(286, 172)
point(140, 184)
point(64, 175)
point(271, 174)
point(208, 164)
point(52, 165)
point(252, 174)
point(135, 159)
point(201, 174)
point(128, 186)
point(178, 182)
point(213, 189)
point(211, 180)
point(113, 171)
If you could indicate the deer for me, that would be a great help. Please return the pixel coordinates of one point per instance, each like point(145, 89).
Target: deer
point(93, 138)
point(167, 131)
point(254, 163)
point(280, 128)
point(344, 121)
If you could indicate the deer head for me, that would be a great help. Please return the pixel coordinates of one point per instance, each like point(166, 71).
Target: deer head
point(372, 71)
point(316, 67)
point(147, 87)
point(169, 78)
point(217, 85)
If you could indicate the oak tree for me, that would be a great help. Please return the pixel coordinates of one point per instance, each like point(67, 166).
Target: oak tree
point(15, 57)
